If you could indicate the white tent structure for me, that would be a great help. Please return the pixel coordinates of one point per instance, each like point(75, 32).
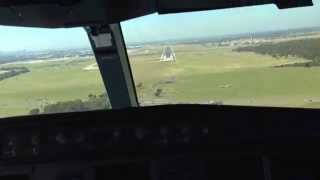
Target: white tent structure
point(168, 54)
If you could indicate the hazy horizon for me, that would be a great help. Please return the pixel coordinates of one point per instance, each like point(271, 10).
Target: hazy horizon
point(217, 37)
point(88, 46)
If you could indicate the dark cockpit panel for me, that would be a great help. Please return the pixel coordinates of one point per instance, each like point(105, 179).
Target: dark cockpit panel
point(73, 13)
point(166, 142)
point(132, 140)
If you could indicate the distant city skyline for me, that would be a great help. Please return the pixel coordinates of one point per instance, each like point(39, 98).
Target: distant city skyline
point(156, 27)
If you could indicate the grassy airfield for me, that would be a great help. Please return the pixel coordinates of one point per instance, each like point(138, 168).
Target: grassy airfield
point(201, 74)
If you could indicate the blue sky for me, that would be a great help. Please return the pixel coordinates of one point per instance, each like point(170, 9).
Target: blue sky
point(21, 38)
point(173, 26)
point(219, 22)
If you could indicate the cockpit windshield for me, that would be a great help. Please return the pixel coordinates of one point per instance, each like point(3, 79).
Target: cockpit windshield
point(48, 71)
point(256, 56)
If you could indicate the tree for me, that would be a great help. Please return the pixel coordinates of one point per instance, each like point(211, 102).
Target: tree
point(140, 90)
point(35, 111)
point(304, 48)
point(12, 71)
point(93, 103)
point(308, 65)
point(140, 85)
point(158, 92)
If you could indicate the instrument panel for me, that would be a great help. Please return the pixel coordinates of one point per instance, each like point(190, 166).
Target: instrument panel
point(38, 142)
point(83, 136)
point(186, 142)
point(155, 132)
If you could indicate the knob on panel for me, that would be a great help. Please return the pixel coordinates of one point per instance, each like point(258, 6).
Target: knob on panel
point(205, 131)
point(79, 137)
point(9, 146)
point(61, 138)
point(35, 140)
point(140, 133)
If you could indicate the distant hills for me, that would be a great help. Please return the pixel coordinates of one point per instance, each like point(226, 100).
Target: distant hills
point(230, 37)
point(272, 34)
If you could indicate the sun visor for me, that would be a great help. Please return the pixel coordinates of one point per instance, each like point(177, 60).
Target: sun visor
point(51, 14)
point(70, 13)
point(175, 6)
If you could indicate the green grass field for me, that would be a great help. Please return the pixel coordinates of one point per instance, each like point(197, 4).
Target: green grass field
point(48, 83)
point(205, 74)
point(200, 74)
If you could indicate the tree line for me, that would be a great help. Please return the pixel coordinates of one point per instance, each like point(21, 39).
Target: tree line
point(304, 48)
point(11, 72)
point(93, 102)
